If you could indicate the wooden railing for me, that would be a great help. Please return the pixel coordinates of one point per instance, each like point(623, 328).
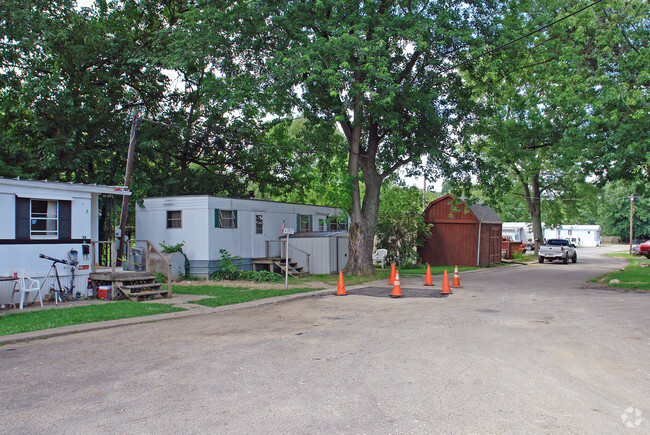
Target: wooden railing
point(130, 245)
point(283, 250)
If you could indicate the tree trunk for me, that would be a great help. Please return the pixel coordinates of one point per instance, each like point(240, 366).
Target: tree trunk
point(534, 203)
point(363, 219)
point(362, 228)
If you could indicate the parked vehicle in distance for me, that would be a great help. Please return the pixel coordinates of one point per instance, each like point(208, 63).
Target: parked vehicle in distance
point(528, 246)
point(557, 249)
point(642, 249)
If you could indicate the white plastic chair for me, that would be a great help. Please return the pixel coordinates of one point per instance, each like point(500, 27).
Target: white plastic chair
point(379, 257)
point(25, 285)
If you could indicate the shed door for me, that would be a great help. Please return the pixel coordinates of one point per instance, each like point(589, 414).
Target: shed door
point(495, 245)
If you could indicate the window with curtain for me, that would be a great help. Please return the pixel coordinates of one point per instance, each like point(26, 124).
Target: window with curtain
point(44, 219)
point(174, 219)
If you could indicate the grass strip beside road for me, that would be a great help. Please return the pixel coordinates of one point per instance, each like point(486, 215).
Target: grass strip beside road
point(14, 323)
point(632, 277)
point(381, 274)
point(224, 295)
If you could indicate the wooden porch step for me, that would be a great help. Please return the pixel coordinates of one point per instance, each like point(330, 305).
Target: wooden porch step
point(294, 271)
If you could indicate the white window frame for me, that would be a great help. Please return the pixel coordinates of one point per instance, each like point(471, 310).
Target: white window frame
point(259, 224)
point(305, 222)
point(227, 222)
point(337, 225)
point(49, 217)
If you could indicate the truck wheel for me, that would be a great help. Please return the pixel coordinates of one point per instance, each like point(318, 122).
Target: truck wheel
point(575, 258)
point(565, 260)
point(540, 259)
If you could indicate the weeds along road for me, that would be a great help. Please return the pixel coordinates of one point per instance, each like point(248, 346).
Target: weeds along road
point(526, 349)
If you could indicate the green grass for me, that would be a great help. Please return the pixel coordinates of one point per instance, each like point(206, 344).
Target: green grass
point(633, 276)
point(380, 274)
point(14, 323)
point(225, 295)
point(525, 257)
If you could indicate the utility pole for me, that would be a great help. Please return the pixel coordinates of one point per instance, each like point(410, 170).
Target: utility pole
point(424, 194)
point(631, 220)
point(127, 184)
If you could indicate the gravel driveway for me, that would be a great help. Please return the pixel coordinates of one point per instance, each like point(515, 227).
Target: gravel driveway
point(523, 349)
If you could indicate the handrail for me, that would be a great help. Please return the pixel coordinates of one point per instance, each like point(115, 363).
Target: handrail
point(152, 248)
point(130, 244)
point(307, 254)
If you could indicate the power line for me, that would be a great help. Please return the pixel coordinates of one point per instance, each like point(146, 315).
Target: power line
point(472, 59)
point(500, 47)
point(524, 36)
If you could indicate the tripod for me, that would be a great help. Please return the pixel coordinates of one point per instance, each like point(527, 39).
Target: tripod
point(63, 292)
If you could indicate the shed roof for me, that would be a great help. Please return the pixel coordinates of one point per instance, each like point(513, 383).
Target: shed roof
point(484, 213)
point(480, 212)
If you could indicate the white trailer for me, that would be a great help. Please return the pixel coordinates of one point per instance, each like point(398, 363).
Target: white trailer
point(59, 220)
point(247, 228)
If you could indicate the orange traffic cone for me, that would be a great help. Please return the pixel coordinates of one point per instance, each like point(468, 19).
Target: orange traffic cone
point(427, 278)
point(392, 274)
point(397, 289)
point(340, 291)
point(456, 282)
point(445, 285)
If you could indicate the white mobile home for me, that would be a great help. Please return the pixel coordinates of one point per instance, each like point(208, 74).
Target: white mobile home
point(59, 220)
point(247, 228)
point(580, 235)
point(517, 231)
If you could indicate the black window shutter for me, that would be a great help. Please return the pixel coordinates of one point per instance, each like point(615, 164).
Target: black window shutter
point(65, 220)
point(22, 218)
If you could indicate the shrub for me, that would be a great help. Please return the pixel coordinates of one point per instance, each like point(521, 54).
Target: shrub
point(230, 275)
point(227, 267)
point(261, 276)
point(161, 278)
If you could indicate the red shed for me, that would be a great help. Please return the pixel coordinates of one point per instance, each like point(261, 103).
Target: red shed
point(466, 236)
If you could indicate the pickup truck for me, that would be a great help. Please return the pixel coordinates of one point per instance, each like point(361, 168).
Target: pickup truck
point(557, 249)
point(642, 249)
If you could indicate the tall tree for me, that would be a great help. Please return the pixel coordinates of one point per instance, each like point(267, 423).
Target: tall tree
point(68, 81)
point(533, 107)
point(613, 42)
point(400, 225)
point(377, 69)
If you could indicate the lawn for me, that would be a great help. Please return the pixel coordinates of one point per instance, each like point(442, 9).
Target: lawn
point(14, 323)
point(226, 295)
point(380, 274)
point(633, 276)
point(218, 295)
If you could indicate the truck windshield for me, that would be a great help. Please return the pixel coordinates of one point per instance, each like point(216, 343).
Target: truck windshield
point(558, 242)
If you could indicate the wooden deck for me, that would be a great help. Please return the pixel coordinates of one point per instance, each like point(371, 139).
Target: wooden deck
point(134, 285)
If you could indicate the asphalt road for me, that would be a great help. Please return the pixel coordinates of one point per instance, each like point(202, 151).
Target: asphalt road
point(525, 349)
